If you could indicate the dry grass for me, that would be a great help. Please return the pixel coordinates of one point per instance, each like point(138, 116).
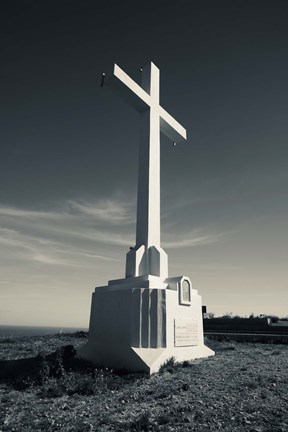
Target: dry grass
point(242, 388)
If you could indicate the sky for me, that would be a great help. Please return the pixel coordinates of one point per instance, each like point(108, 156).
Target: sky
point(69, 152)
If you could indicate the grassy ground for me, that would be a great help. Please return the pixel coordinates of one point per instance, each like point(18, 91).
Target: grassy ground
point(242, 388)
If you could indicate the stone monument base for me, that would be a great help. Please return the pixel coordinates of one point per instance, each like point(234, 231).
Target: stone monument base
point(147, 360)
point(139, 323)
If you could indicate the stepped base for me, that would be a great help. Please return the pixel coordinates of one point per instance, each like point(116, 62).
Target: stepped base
point(139, 323)
point(148, 360)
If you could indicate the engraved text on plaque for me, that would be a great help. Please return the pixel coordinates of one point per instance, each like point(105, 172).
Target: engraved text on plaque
point(185, 332)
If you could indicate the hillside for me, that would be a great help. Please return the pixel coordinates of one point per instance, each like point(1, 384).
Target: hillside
point(242, 388)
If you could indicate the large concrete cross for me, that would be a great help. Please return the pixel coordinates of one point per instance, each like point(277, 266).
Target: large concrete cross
point(138, 322)
point(154, 118)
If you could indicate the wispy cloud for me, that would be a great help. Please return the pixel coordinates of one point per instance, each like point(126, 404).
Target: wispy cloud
point(62, 253)
point(104, 210)
point(193, 238)
point(94, 222)
point(104, 236)
point(110, 211)
point(215, 266)
point(52, 252)
point(80, 233)
point(23, 213)
point(70, 235)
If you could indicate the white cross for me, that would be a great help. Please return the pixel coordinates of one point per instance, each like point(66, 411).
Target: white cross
point(154, 118)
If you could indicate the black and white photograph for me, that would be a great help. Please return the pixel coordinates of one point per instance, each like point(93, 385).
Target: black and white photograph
point(143, 216)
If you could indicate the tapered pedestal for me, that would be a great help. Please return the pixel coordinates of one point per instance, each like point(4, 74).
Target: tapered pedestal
point(138, 323)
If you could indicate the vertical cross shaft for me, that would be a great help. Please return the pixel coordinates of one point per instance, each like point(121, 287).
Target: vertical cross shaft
point(148, 201)
point(147, 258)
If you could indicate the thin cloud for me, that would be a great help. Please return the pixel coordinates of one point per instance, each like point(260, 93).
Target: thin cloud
point(103, 237)
point(110, 211)
point(55, 260)
point(91, 222)
point(192, 239)
point(107, 210)
point(76, 233)
point(29, 247)
point(33, 214)
point(214, 267)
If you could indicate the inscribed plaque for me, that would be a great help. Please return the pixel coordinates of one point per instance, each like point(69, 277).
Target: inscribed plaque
point(185, 332)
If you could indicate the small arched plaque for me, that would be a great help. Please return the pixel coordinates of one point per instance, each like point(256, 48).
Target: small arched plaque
point(185, 292)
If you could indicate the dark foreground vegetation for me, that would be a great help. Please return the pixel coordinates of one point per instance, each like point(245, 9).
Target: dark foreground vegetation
point(43, 388)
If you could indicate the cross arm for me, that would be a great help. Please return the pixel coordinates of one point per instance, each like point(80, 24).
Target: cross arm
point(129, 89)
point(171, 128)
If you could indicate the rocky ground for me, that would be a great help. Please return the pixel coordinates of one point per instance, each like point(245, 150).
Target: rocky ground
point(242, 388)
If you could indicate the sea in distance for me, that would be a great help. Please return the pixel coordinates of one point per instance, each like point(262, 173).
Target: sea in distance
point(16, 331)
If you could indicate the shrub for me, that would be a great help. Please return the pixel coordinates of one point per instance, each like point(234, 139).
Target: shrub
point(168, 365)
